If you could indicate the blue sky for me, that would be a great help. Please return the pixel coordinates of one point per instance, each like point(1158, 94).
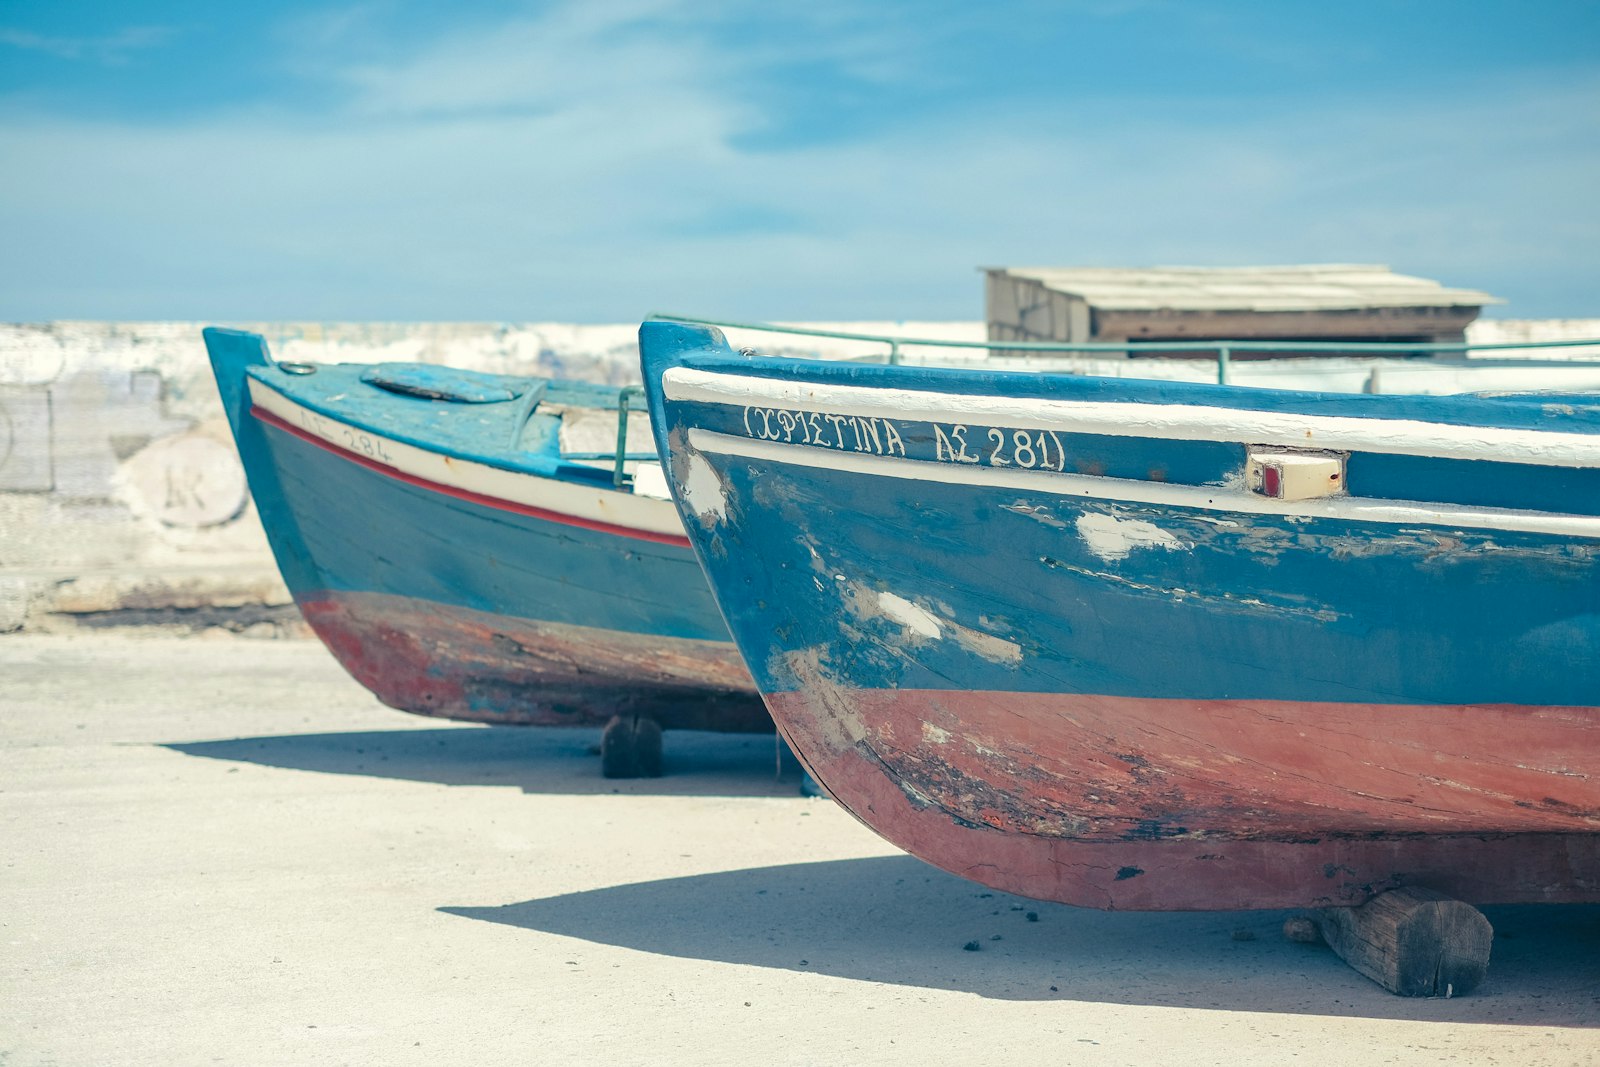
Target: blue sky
point(594, 161)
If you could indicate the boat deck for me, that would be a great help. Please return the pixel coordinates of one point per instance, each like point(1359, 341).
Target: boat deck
point(513, 422)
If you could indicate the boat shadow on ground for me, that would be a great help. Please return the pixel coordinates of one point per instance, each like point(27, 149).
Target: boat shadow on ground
point(554, 760)
point(895, 920)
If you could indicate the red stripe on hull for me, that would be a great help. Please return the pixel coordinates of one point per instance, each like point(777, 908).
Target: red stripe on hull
point(455, 663)
point(466, 494)
point(1166, 804)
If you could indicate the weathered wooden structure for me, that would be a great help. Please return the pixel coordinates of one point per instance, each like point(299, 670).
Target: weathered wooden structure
point(1321, 302)
point(1412, 941)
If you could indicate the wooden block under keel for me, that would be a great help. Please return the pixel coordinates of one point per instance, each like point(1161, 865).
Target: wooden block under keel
point(1414, 942)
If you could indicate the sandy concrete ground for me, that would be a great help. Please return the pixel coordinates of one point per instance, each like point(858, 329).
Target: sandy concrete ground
point(226, 852)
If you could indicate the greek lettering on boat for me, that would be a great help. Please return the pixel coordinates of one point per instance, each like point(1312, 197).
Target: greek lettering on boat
point(848, 433)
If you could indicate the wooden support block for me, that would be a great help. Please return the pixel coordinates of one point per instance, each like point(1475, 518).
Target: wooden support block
point(1414, 942)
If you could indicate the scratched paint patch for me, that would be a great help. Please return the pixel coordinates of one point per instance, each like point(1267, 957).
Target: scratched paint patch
point(703, 492)
point(1111, 538)
point(992, 648)
point(831, 715)
point(907, 614)
point(921, 621)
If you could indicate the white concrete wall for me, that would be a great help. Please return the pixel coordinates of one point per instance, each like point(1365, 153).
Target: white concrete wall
point(121, 497)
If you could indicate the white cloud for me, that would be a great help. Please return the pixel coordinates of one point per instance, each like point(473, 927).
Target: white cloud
point(587, 166)
point(578, 58)
point(108, 48)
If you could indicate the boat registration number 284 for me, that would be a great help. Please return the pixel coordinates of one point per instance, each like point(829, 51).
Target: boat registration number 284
point(941, 442)
point(352, 439)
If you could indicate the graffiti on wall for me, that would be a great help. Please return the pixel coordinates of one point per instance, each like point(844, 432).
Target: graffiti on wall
point(103, 437)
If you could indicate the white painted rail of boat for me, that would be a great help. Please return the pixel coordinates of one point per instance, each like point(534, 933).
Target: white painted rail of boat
point(1222, 498)
point(596, 504)
point(1176, 421)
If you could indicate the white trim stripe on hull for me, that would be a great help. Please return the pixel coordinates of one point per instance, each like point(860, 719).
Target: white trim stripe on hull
point(1178, 422)
point(1234, 499)
point(602, 506)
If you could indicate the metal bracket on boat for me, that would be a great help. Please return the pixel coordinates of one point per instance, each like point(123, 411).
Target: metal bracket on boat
point(1295, 474)
point(625, 396)
point(530, 403)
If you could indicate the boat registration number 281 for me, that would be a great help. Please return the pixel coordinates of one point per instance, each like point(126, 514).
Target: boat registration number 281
point(941, 442)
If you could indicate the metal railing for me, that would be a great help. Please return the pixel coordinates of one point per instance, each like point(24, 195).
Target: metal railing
point(1224, 349)
point(625, 396)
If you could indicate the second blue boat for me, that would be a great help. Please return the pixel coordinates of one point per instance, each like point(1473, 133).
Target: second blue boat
point(459, 561)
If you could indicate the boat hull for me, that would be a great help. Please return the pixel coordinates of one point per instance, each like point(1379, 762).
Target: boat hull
point(501, 596)
point(1148, 687)
point(455, 608)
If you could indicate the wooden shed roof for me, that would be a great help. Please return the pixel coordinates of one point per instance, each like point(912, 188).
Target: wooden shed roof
point(1310, 287)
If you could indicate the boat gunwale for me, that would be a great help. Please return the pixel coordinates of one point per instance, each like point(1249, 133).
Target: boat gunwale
point(1169, 418)
point(277, 421)
point(551, 465)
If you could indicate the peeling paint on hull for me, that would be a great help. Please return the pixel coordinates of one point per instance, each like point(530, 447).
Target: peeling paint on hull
point(1215, 805)
point(1097, 768)
point(434, 659)
point(1197, 874)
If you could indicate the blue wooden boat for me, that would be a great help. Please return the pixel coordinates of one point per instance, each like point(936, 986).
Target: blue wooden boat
point(460, 563)
point(1132, 644)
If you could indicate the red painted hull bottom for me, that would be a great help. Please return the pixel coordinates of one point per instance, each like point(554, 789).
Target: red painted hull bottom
point(1141, 804)
point(455, 663)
